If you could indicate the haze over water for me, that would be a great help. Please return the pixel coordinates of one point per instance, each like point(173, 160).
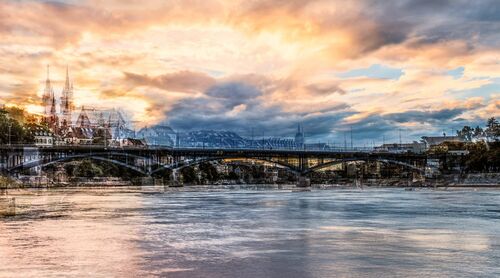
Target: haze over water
point(252, 233)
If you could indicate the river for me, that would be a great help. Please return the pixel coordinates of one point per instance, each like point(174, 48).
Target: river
point(203, 232)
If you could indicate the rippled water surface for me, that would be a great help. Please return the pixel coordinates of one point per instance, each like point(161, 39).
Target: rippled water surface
point(252, 233)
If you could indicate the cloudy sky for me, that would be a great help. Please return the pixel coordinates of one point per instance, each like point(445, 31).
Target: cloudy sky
point(419, 66)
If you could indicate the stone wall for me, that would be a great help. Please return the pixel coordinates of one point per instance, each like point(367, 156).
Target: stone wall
point(484, 178)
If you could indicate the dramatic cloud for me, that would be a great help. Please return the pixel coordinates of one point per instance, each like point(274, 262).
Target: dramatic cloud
point(183, 81)
point(375, 67)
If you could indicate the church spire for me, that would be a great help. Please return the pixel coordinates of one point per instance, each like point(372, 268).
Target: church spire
point(48, 94)
point(67, 100)
point(53, 105)
point(66, 84)
point(48, 87)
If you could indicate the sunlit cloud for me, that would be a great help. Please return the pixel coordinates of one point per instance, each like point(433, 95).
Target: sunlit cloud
point(332, 65)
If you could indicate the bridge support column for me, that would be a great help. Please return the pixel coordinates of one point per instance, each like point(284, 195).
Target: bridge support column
point(174, 178)
point(303, 181)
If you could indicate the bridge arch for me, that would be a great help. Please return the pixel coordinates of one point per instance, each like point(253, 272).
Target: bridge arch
point(180, 166)
point(43, 163)
point(386, 161)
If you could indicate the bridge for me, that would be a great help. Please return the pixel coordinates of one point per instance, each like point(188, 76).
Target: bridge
point(151, 161)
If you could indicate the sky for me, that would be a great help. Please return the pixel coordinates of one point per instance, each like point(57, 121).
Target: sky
point(377, 67)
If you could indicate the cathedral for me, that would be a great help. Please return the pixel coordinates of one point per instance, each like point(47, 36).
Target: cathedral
point(87, 126)
point(51, 117)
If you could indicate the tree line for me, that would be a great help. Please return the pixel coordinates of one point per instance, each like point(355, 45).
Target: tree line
point(490, 133)
point(17, 126)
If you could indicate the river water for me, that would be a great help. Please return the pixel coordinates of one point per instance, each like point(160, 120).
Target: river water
point(198, 232)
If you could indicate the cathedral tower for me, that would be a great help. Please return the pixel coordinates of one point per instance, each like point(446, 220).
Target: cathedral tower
point(49, 103)
point(299, 138)
point(66, 101)
point(48, 98)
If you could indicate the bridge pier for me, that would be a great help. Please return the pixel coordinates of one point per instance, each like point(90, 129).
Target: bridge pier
point(174, 178)
point(303, 181)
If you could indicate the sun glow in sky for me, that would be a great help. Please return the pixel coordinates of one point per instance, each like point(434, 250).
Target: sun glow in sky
point(373, 66)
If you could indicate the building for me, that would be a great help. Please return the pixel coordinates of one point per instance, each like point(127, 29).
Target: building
point(130, 142)
point(414, 147)
point(275, 143)
point(43, 138)
point(87, 126)
point(49, 103)
point(299, 138)
point(66, 102)
point(430, 141)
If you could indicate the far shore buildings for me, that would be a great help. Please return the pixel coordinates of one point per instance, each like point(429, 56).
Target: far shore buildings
point(425, 144)
point(430, 141)
point(83, 126)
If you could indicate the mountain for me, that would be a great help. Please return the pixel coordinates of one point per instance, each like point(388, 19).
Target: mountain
point(166, 136)
point(212, 139)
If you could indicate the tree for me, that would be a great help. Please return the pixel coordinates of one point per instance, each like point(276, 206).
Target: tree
point(16, 113)
point(14, 128)
point(466, 133)
point(209, 172)
point(233, 176)
point(70, 169)
point(189, 175)
point(478, 132)
point(492, 129)
point(11, 131)
point(88, 169)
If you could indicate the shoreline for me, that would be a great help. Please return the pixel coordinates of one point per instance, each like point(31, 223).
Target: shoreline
point(249, 186)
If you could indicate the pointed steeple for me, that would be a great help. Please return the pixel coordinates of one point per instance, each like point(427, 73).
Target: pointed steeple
point(48, 87)
point(67, 101)
point(53, 105)
point(48, 94)
point(299, 137)
point(67, 85)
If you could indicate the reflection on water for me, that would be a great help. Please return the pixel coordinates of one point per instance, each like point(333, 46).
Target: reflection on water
point(244, 233)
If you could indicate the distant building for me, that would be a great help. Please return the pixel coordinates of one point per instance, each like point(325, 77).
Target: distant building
point(317, 146)
point(87, 126)
point(276, 143)
point(112, 119)
point(78, 135)
point(414, 147)
point(431, 141)
point(130, 142)
point(299, 138)
point(67, 105)
point(49, 102)
point(43, 138)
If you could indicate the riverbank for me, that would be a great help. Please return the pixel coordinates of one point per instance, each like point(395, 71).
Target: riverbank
point(471, 180)
point(257, 186)
point(126, 186)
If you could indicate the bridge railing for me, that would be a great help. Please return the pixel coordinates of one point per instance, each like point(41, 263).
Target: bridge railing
point(163, 147)
point(335, 149)
point(328, 148)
